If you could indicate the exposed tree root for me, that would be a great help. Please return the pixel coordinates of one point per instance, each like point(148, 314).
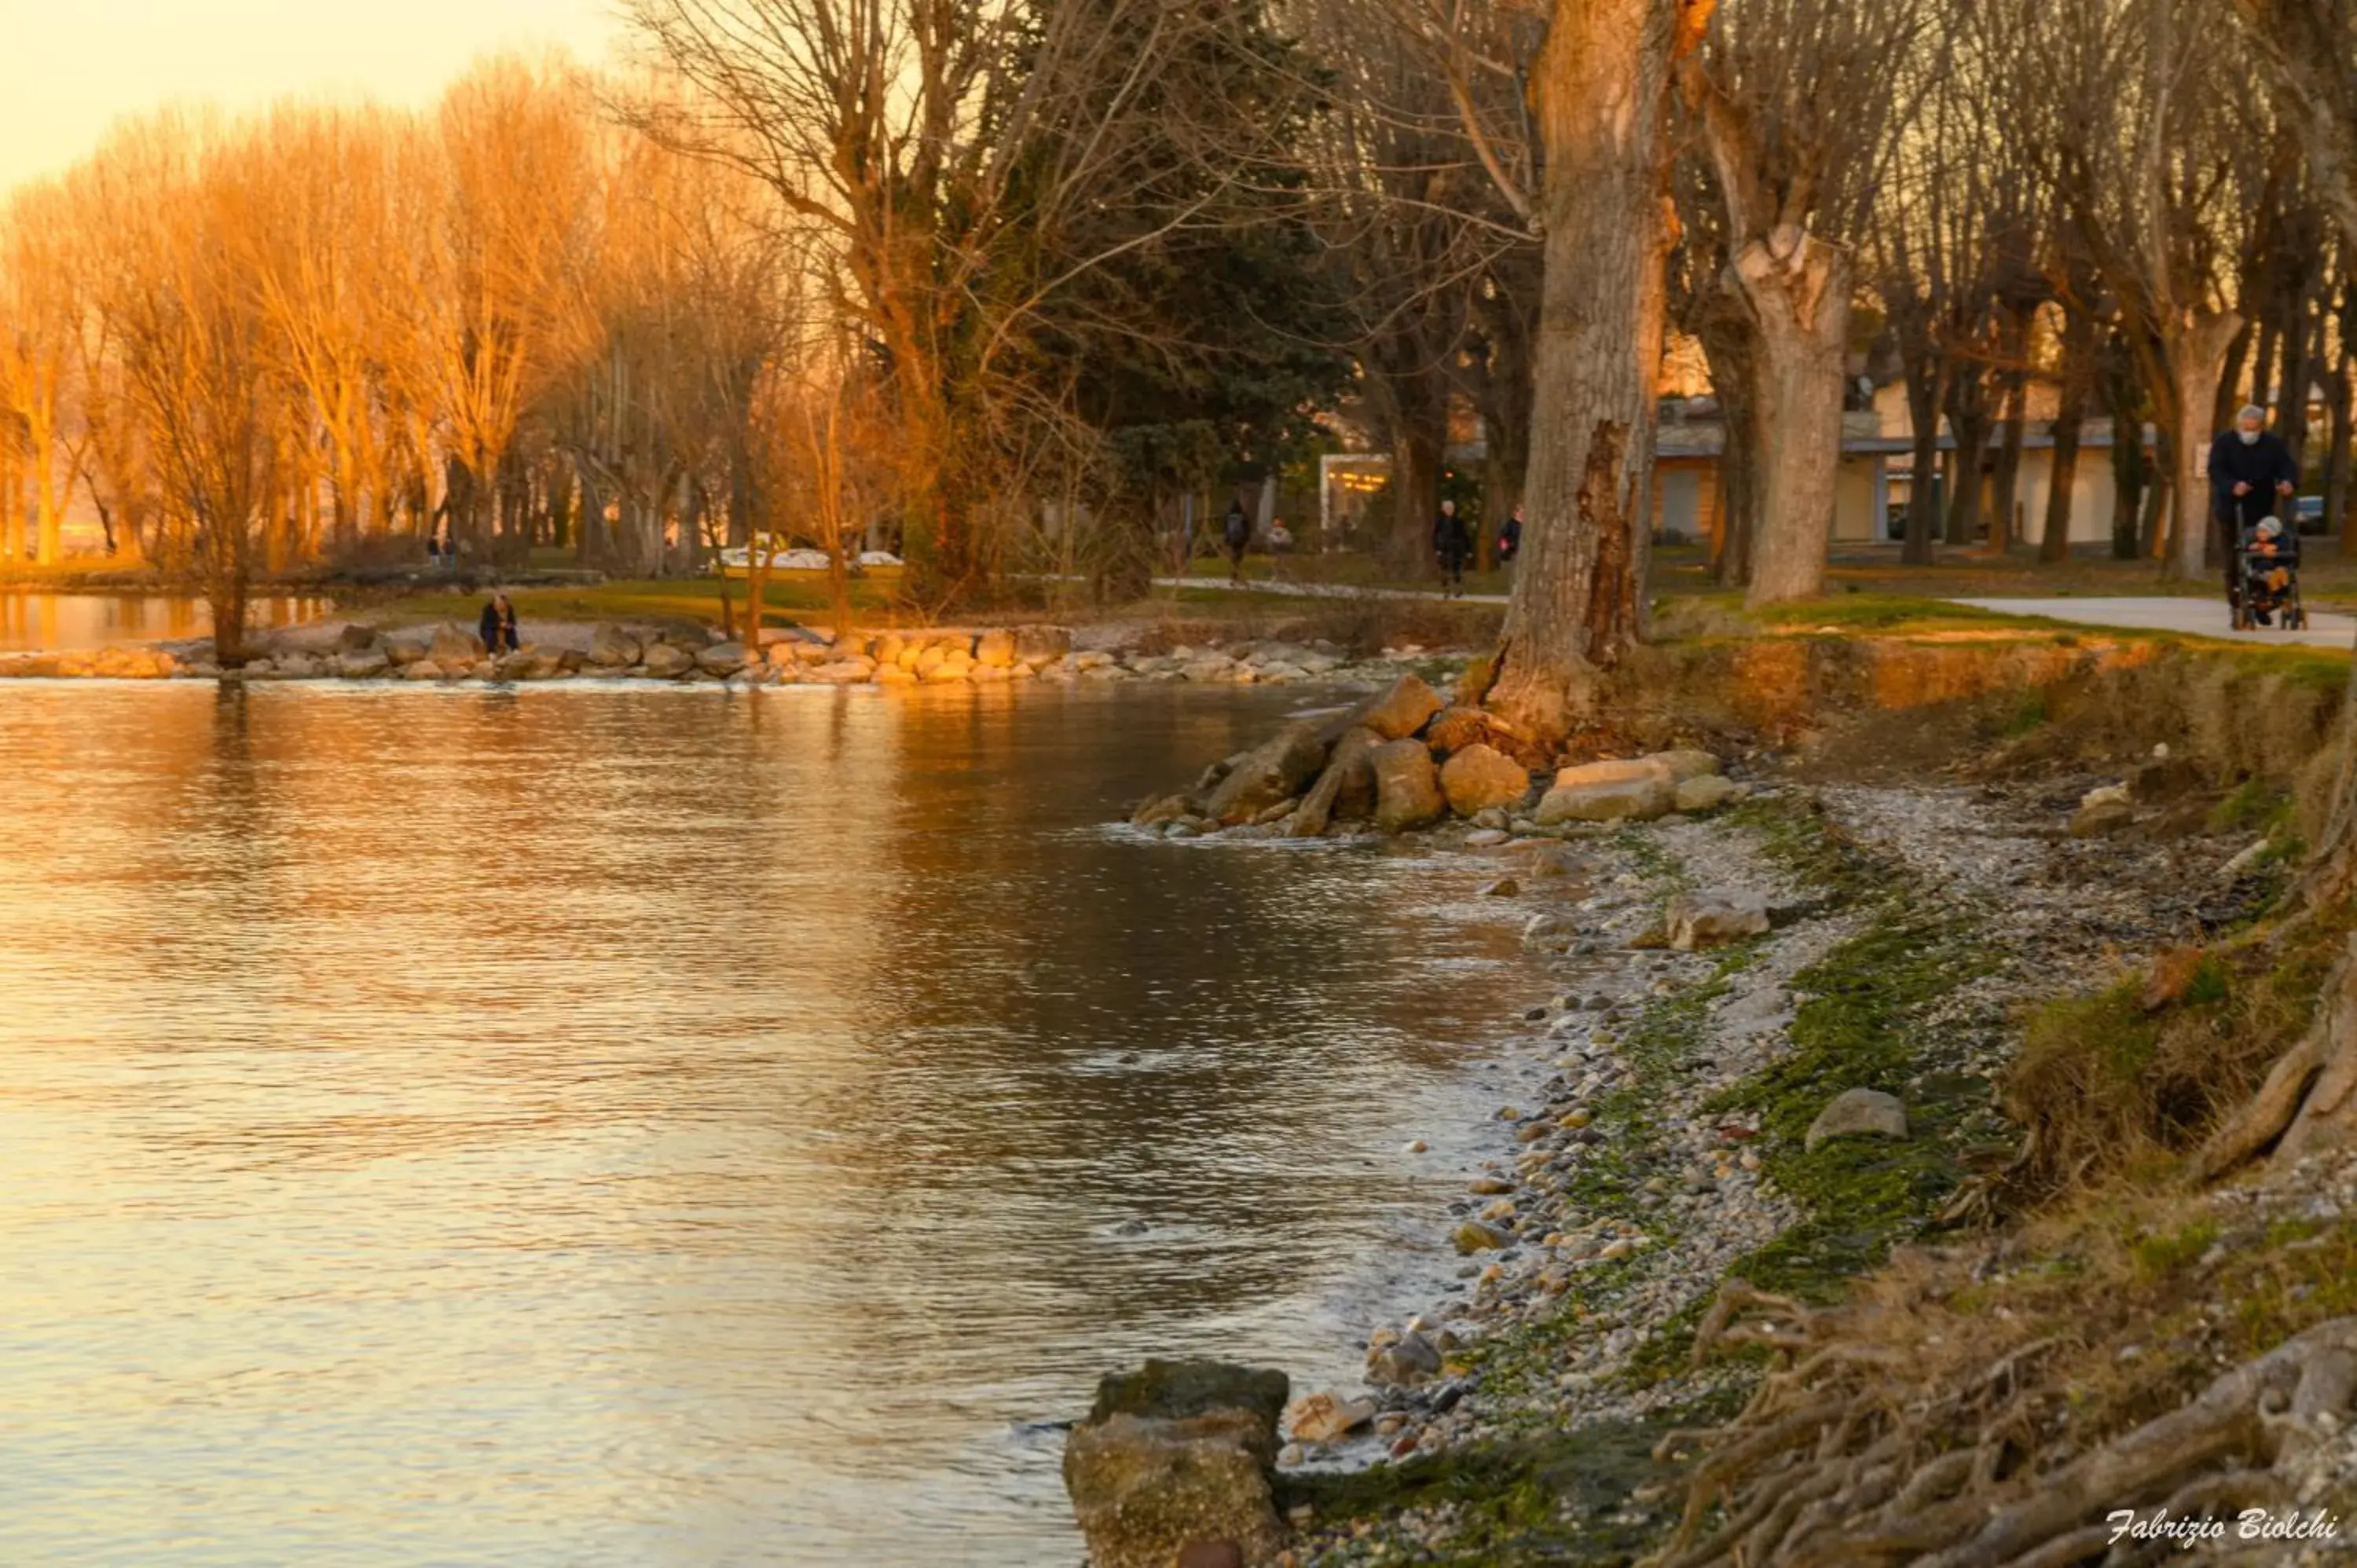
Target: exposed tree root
point(2309, 1102)
point(1853, 1452)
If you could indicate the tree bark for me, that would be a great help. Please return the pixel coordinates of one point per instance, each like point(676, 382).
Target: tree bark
point(1578, 602)
point(2007, 481)
point(1968, 418)
point(2150, 523)
point(1800, 300)
point(1730, 338)
point(2196, 356)
point(2078, 374)
point(1419, 447)
point(1924, 376)
point(2338, 517)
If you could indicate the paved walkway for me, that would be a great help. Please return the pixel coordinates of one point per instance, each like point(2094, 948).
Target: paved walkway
point(2195, 616)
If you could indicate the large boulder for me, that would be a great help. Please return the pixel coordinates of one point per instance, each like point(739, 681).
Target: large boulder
point(665, 662)
point(995, 649)
point(1857, 1113)
point(1042, 644)
point(1181, 1455)
point(406, 651)
point(1479, 777)
point(611, 648)
point(1453, 729)
point(1345, 791)
point(1686, 764)
point(354, 637)
point(1707, 792)
point(1639, 790)
point(454, 645)
point(362, 665)
point(722, 659)
point(1326, 1418)
point(538, 661)
point(1398, 712)
point(1404, 1361)
point(1710, 919)
point(1407, 786)
point(1273, 771)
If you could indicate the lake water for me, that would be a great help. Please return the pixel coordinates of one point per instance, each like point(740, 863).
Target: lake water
point(582, 1125)
point(75, 623)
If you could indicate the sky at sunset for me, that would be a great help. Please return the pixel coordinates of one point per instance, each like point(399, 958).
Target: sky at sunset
point(69, 68)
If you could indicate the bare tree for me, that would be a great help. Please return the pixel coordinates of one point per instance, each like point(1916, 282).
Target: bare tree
point(38, 318)
point(195, 346)
point(1795, 103)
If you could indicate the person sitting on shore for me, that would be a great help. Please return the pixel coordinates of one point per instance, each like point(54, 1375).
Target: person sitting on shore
point(498, 627)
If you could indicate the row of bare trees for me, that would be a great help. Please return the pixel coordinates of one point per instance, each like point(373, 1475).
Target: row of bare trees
point(1071, 258)
point(992, 255)
point(330, 334)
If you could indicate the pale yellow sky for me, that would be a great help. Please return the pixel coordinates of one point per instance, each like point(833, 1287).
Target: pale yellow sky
point(69, 68)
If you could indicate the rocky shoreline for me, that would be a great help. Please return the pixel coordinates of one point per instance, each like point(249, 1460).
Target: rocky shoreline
point(1781, 1018)
point(678, 655)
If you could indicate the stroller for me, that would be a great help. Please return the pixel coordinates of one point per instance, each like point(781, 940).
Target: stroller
point(2266, 565)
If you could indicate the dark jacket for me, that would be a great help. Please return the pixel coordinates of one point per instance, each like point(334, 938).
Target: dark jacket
point(1510, 539)
point(498, 635)
point(2263, 465)
point(1236, 529)
point(1452, 539)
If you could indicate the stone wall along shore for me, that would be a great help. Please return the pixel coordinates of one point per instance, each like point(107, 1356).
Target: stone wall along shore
point(787, 657)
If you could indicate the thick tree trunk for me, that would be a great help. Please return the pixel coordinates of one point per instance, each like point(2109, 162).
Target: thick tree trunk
point(1730, 338)
point(2301, 351)
point(2150, 522)
point(1419, 446)
point(1968, 417)
point(1923, 389)
point(2338, 517)
point(1800, 300)
point(2198, 354)
point(2007, 482)
point(1577, 604)
point(2077, 375)
point(12, 510)
point(48, 515)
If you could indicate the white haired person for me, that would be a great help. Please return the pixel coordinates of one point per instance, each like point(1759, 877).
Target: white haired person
point(2249, 468)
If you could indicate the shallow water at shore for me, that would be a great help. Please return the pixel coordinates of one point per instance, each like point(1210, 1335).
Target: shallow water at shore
point(32, 622)
point(623, 1126)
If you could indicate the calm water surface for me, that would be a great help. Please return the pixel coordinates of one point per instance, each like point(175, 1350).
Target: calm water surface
point(596, 1126)
point(75, 623)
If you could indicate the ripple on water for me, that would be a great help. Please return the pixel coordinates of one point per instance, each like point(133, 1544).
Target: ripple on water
point(457, 1127)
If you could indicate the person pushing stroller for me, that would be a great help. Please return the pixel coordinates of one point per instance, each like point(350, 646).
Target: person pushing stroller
point(2250, 469)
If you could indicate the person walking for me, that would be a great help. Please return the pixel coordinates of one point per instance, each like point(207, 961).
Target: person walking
point(1237, 531)
point(2250, 469)
point(1510, 538)
point(1452, 541)
point(498, 627)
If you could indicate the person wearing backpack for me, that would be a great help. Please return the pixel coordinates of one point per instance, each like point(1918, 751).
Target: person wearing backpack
point(1237, 531)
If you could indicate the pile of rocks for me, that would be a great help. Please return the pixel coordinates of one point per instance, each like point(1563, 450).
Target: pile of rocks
point(1408, 759)
point(787, 657)
point(105, 663)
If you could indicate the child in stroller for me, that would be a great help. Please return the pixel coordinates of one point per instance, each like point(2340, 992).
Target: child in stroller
point(2269, 561)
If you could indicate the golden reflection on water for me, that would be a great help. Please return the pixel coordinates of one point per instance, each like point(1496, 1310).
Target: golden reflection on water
point(73, 623)
point(595, 1126)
